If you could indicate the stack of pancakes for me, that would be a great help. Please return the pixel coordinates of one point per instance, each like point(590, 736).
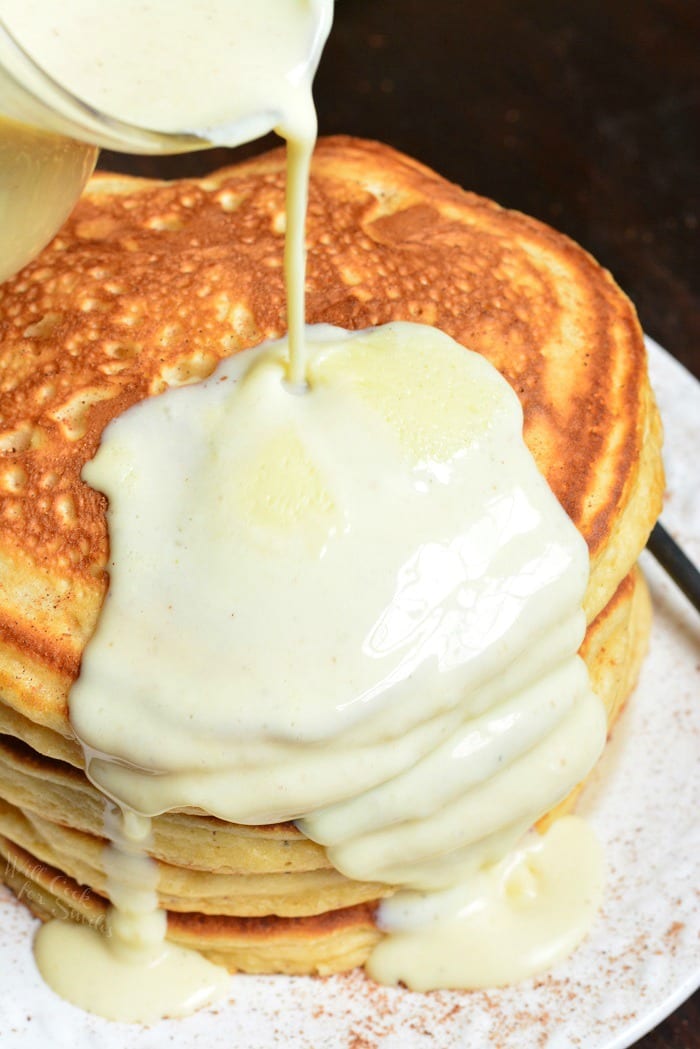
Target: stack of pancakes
point(149, 285)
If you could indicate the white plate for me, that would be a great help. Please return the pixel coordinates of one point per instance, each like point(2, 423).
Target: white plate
point(642, 957)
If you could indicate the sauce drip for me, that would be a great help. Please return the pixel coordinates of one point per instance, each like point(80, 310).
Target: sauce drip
point(510, 921)
point(127, 971)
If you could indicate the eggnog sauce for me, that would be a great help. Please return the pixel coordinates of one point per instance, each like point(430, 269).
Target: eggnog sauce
point(357, 607)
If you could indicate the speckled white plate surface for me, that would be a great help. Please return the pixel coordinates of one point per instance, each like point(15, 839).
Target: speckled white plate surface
point(643, 955)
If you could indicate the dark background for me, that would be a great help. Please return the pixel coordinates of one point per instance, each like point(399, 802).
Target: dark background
point(585, 114)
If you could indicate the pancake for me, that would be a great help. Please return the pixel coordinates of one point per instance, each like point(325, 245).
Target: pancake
point(148, 286)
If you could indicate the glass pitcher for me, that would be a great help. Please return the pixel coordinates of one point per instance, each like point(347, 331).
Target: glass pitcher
point(49, 141)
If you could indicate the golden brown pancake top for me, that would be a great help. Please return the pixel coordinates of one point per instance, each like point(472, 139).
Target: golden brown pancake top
point(149, 284)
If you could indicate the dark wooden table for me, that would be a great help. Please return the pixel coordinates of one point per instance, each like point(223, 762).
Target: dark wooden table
point(585, 113)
